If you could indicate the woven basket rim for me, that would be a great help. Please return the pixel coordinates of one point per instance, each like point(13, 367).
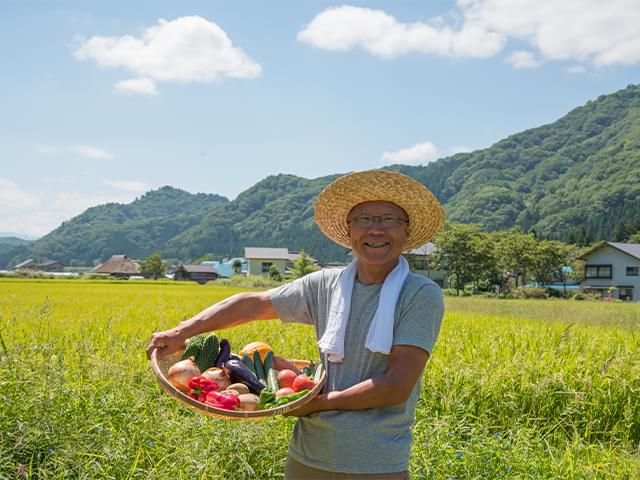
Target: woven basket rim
point(228, 414)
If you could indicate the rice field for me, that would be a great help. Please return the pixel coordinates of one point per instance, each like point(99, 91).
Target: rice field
point(515, 389)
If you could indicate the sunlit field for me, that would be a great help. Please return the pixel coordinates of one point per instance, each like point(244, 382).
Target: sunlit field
point(515, 389)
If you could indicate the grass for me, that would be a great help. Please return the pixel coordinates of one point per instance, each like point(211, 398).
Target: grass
point(515, 389)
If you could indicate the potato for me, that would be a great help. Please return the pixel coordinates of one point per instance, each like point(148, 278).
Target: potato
point(248, 402)
point(239, 387)
point(231, 391)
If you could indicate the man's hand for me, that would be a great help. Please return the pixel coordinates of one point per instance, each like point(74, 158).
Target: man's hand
point(165, 342)
point(406, 363)
point(316, 404)
point(235, 310)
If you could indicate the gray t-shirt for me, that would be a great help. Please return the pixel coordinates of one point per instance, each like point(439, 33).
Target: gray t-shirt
point(376, 440)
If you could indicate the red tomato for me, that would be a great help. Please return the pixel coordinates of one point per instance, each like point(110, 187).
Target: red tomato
point(286, 378)
point(301, 382)
point(284, 391)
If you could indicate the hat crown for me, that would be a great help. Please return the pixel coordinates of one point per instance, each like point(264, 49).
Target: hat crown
point(334, 203)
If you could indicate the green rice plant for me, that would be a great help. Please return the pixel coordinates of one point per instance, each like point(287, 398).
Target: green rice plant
point(514, 389)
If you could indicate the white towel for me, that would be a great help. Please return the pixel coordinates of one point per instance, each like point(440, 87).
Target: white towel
point(380, 335)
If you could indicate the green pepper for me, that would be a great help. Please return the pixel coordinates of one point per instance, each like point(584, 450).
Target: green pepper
point(291, 397)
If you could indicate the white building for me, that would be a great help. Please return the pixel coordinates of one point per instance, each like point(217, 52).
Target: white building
point(613, 269)
point(260, 260)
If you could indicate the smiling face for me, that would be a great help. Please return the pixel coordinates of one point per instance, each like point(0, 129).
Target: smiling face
point(376, 246)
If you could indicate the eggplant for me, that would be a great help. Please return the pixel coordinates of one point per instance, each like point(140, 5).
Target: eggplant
point(239, 372)
point(236, 356)
point(225, 352)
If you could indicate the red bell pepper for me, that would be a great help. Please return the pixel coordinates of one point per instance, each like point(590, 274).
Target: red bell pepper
point(199, 386)
point(226, 401)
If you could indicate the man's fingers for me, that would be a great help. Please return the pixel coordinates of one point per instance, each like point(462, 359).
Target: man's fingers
point(154, 343)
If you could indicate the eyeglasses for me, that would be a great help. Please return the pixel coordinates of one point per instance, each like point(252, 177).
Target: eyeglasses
point(387, 221)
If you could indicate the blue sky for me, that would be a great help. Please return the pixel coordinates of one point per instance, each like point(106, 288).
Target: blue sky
point(102, 101)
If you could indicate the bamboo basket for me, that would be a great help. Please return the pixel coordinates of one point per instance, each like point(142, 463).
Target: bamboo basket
point(160, 368)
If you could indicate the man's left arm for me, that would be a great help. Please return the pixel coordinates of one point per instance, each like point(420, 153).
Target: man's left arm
point(406, 363)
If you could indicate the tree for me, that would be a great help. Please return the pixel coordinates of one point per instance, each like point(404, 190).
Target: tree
point(153, 266)
point(635, 238)
point(274, 273)
point(549, 257)
point(237, 266)
point(460, 253)
point(515, 251)
point(303, 265)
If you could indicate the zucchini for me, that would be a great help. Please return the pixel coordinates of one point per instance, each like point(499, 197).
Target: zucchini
point(249, 363)
point(268, 362)
point(317, 376)
point(257, 363)
point(272, 380)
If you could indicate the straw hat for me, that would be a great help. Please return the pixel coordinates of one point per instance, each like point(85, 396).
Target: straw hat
point(334, 203)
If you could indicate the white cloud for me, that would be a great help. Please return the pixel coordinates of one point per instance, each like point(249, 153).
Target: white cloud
point(92, 153)
point(14, 197)
point(585, 31)
point(127, 185)
point(86, 151)
point(145, 86)
point(36, 214)
point(347, 27)
point(523, 60)
point(419, 154)
point(187, 49)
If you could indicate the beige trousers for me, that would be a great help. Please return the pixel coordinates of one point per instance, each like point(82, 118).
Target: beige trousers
point(297, 471)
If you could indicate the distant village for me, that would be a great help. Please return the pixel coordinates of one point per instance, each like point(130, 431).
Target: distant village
point(611, 270)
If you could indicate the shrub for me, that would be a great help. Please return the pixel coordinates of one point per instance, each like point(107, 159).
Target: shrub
point(530, 293)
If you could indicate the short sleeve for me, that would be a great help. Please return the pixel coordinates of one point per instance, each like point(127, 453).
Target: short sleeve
point(420, 318)
point(294, 301)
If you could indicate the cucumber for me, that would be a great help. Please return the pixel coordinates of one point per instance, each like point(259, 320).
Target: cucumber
point(317, 376)
point(257, 363)
point(194, 347)
point(249, 363)
point(209, 352)
point(272, 380)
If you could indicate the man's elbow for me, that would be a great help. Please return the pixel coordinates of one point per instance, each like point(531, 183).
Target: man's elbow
point(257, 305)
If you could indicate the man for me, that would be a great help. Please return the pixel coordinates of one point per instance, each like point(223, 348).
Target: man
point(376, 323)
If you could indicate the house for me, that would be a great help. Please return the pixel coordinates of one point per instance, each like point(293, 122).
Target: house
point(613, 270)
point(224, 269)
point(197, 273)
point(260, 260)
point(119, 266)
point(50, 266)
point(27, 265)
point(420, 261)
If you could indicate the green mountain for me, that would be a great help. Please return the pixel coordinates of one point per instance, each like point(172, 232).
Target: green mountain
point(576, 179)
point(11, 246)
point(136, 229)
point(276, 212)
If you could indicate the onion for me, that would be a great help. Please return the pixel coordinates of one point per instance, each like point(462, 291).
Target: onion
point(181, 372)
point(219, 376)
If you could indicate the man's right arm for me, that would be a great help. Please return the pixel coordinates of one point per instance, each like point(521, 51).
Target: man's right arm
point(235, 310)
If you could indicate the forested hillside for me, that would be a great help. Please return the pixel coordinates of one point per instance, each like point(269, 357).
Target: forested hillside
point(576, 180)
point(135, 229)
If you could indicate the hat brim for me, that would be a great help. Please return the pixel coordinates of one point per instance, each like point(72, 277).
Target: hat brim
point(334, 203)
